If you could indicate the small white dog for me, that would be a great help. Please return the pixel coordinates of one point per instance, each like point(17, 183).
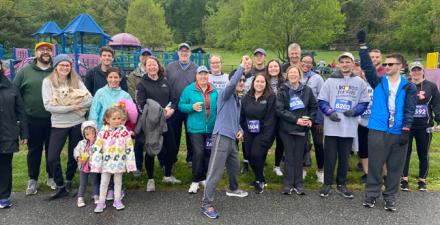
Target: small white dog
point(68, 96)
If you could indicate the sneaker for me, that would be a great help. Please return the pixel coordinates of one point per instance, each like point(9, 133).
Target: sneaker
point(59, 193)
point(189, 164)
point(299, 190)
point(151, 185)
point(344, 191)
point(359, 167)
point(390, 205)
point(68, 185)
point(259, 187)
point(110, 195)
point(80, 203)
point(100, 208)
point(369, 202)
point(422, 185)
point(171, 180)
point(118, 205)
point(51, 183)
point(237, 193)
point(193, 188)
point(304, 174)
point(209, 211)
point(325, 191)
point(404, 185)
point(364, 179)
point(5, 203)
point(203, 183)
point(95, 199)
point(32, 187)
point(245, 168)
point(136, 174)
point(278, 171)
point(287, 191)
point(320, 176)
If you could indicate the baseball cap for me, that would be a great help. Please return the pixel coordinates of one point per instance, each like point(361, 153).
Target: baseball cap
point(202, 69)
point(184, 45)
point(41, 44)
point(416, 64)
point(260, 50)
point(346, 54)
point(147, 51)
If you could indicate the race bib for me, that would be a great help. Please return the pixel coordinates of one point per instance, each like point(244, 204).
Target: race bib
point(391, 119)
point(421, 111)
point(253, 126)
point(208, 143)
point(296, 103)
point(342, 105)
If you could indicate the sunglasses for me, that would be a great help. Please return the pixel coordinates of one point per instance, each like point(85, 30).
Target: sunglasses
point(389, 64)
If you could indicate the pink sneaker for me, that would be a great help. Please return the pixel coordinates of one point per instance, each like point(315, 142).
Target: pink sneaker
point(99, 208)
point(118, 205)
point(110, 195)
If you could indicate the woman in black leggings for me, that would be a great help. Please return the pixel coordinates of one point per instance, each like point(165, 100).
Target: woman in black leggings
point(428, 102)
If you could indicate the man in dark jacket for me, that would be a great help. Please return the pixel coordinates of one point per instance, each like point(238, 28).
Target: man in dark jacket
point(294, 52)
point(95, 77)
point(29, 81)
point(13, 126)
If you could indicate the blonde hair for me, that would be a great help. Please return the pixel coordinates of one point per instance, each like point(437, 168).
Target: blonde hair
point(301, 73)
point(73, 79)
point(112, 110)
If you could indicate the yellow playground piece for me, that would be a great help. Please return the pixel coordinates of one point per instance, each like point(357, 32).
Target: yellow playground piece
point(432, 60)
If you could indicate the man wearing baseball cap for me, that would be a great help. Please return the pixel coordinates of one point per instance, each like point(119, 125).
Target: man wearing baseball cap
point(180, 74)
point(342, 99)
point(29, 81)
point(259, 58)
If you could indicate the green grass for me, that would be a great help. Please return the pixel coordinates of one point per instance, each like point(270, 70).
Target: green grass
point(183, 172)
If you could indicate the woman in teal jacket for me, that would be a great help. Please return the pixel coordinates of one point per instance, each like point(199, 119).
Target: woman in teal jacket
point(199, 101)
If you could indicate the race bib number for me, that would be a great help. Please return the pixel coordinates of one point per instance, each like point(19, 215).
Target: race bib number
point(253, 126)
point(342, 105)
point(421, 111)
point(391, 119)
point(208, 143)
point(296, 103)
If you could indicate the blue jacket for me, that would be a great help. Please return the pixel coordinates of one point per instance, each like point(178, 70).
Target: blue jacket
point(405, 99)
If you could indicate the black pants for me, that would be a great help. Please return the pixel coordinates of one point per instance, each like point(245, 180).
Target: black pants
point(294, 154)
point(279, 150)
point(58, 138)
point(39, 135)
point(139, 153)
point(177, 120)
point(5, 175)
point(387, 149)
point(256, 152)
point(336, 149)
point(423, 142)
point(318, 145)
point(200, 157)
point(168, 154)
point(363, 142)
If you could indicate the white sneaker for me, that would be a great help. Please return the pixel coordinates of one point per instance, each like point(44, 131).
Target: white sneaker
point(32, 187)
point(320, 175)
point(278, 171)
point(193, 188)
point(171, 180)
point(51, 183)
point(203, 183)
point(237, 193)
point(304, 174)
point(151, 185)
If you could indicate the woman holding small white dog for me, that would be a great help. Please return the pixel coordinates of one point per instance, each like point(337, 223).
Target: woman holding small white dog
point(66, 118)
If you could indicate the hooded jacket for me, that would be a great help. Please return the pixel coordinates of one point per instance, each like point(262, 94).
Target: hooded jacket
point(83, 146)
point(13, 123)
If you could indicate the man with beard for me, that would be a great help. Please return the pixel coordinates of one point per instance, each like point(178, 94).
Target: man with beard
point(376, 58)
point(29, 81)
point(294, 52)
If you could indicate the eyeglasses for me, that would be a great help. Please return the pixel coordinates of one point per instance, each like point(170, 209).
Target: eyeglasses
point(242, 80)
point(64, 65)
point(389, 64)
point(44, 50)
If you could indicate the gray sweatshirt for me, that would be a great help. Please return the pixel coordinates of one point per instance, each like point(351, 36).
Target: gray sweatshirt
point(63, 116)
point(179, 78)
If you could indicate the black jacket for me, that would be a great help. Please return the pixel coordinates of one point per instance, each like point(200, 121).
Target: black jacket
point(95, 79)
point(262, 109)
point(13, 123)
point(287, 118)
point(432, 101)
point(158, 90)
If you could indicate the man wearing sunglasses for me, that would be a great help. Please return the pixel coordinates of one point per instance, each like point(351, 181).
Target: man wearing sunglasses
point(392, 112)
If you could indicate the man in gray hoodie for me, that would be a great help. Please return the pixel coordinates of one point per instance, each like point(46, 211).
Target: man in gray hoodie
point(224, 147)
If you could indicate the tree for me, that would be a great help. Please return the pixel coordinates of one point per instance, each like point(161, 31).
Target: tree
point(312, 23)
point(146, 20)
point(222, 27)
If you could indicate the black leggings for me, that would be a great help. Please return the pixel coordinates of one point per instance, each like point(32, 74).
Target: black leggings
point(58, 137)
point(279, 150)
point(168, 153)
point(5, 175)
point(423, 142)
point(257, 152)
point(318, 145)
point(363, 142)
point(336, 149)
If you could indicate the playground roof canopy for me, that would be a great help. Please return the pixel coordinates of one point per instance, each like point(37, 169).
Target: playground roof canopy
point(84, 23)
point(125, 39)
point(48, 28)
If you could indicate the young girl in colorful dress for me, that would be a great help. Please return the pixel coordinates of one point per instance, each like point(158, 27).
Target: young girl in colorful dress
point(112, 154)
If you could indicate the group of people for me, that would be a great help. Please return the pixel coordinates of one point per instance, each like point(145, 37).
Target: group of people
point(133, 119)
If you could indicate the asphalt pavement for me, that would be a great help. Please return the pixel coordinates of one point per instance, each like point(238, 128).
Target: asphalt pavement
point(172, 207)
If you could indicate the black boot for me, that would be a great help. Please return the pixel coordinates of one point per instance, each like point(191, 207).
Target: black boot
point(245, 168)
point(60, 192)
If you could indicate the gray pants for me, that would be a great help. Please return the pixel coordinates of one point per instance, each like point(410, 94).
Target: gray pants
point(224, 152)
point(385, 148)
point(83, 180)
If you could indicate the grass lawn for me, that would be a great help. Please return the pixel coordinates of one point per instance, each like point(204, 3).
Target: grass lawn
point(183, 172)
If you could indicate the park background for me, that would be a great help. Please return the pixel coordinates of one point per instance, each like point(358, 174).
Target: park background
point(232, 28)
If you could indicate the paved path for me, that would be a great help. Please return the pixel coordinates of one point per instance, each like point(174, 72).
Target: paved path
point(267, 208)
